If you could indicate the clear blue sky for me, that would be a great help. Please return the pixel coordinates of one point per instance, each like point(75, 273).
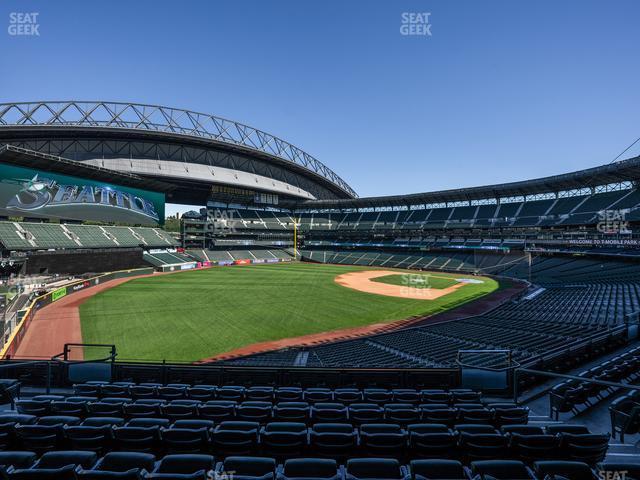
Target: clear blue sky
point(502, 90)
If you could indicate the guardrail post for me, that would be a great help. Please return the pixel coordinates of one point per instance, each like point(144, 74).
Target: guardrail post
point(48, 378)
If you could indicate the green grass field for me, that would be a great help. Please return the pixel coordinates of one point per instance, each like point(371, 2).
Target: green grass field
point(194, 315)
point(417, 280)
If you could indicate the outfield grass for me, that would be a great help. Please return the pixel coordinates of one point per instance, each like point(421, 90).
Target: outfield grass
point(417, 280)
point(194, 315)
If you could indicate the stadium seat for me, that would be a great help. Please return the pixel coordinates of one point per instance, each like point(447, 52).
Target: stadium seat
point(38, 408)
point(232, 393)
point(183, 467)
point(360, 413)
point(333, 440)
point(218, 410)
point(292, 412)
point(502, 470)
point(39, 438)
point(432, 441)
point(136, 439)
point(179, 411)
point(63, 473)
point(172, 392)
point(588, 448)
point(90, 438)
point(380, 439)
point(248, 468)
point(529, 448)
point(563, 469)
point(437, 470)
point(235, 438)
point(317, 395)
point(303, 468)
point(201, 393)
point(439, 413)
point(289, 394)
point(194, 424)
point(481, 446)
point(102, 409)
point(149, 422)
point(58, 420)
point(283, 439)
point(402, 413)
point(625, 416)
point(75, 409)
point(254, 411)
point(129, 464)
point(374, 469)
point(186, 440)
point(347, 396)
point(439, 397)
point(259, 394)
point(329, 412)
point(143, 391)
point(138, 410)
point(378, 396)
point(86, 460)
point(17, 459)
point(102, 421)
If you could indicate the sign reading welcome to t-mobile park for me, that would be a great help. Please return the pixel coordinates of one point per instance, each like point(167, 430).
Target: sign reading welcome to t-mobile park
point(25, 192)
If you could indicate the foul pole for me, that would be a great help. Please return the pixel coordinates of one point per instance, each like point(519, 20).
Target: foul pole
point(295, 238)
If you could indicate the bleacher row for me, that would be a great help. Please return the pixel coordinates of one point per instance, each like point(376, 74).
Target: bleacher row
point(570, 395)
point(543, 269)
point(554, 320)
point(162, 258)
point(131, 426)
point(462, 262)
point(34, 236)
point(72, 465)
point(238, 254)
point(576, 210)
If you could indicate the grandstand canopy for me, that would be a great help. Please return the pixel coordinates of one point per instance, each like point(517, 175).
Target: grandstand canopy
point(618, 172)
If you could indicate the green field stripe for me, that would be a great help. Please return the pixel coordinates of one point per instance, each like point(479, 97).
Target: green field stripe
point(194, 315)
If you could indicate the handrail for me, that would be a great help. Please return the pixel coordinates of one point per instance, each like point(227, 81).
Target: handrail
point(35, 362)
point(565, 376)
point(111, 357)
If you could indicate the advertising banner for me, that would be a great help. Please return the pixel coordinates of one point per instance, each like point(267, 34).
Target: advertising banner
point(25, 192)
point(58, 294)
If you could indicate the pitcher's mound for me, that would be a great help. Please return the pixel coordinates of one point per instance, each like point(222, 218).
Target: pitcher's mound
point(362, 281)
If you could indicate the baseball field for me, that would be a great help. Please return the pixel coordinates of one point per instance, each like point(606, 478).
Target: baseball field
point(196, 315)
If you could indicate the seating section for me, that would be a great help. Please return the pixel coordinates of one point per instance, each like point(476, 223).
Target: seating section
point(160, 258)
point(552, 324)
point(571, 395)
point(38, 236)
point(561, 211)
point(256, 255)
point(63, 465)
point(132, 425)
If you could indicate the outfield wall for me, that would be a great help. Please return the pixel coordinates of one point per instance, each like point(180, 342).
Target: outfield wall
point(220, 263)
point(79, 262)
point(26, 316)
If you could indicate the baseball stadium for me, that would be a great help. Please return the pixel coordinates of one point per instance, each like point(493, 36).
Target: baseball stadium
point(288, 325)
